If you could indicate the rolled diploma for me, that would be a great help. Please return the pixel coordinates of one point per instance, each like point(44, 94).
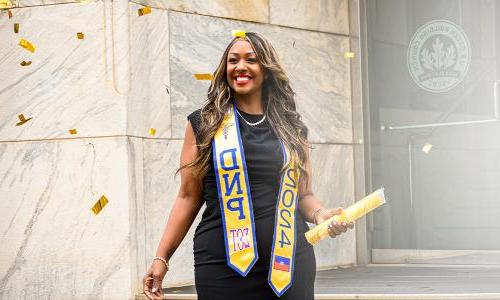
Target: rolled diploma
point(352, 213)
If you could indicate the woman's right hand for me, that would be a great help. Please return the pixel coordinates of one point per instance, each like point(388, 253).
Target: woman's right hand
point(152, 281)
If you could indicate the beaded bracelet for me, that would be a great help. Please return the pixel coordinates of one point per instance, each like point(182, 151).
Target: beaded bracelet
point(163, 260)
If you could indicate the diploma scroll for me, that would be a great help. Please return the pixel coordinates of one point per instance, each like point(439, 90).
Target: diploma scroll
point(352, 213)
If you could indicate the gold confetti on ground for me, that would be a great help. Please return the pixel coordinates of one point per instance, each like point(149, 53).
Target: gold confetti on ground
point(99, 205)
point(72, 131)
point(25, 63)
point(239, 33)
point(206, 76)
point(5, 4)
point(152, 131)
point(80, 35)
point(22, 120)
point(27, 45)
point(16, 27)
point(349, 55)
point(144, 11)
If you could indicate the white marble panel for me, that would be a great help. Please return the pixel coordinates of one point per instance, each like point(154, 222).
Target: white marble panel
point(333, 184)
point(27, 3)
point(320, 15)
point(54, 247)
point(149, 99)
point(255, 10)
point(315, 62)
point(65, 85)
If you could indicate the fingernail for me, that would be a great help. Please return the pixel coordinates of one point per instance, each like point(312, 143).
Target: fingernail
point(153, 290)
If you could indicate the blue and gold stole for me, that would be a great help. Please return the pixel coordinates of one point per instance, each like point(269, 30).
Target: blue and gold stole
point(237, 212)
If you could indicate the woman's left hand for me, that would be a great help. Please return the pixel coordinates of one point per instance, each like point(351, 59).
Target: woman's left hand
point(334, 228)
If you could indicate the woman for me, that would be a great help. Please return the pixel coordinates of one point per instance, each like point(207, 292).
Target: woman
point(246, 156)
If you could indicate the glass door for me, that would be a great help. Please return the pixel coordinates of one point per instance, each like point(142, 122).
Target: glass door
point(433, 94)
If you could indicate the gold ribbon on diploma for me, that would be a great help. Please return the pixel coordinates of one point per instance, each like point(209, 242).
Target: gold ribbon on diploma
point(236, 207)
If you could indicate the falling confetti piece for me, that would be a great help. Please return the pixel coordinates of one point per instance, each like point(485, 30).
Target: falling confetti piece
point(27, 45)
point(144, 11)
point(427, 148)
point(99, 205)
point(239, 33)
point(25, 63)
point(72, 131)
point(16, 27)
point(349, 54)
point(10, 14)
point(206, 76)
point(22, 120)
point(5, 4)
point(152, 131)
point(293, 44)
point(80, 35)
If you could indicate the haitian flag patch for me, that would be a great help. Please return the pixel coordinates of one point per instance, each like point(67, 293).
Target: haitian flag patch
point(281, 263)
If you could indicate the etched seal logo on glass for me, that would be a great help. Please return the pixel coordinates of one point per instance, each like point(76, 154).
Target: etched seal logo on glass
point(438, 56)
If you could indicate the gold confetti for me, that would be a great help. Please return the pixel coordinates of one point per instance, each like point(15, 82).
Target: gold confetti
point(10, 14)
point(22, 120)
point(349, 55)
point(5, 4)
point(206, 76)
point(27, 45)
point(80, 35)
point(427, 148)
point(25, 63)
point(239, 33)
point(144, 11)
point(16, 27)
point(152, 131)
point(99, 205)
point(72, 131)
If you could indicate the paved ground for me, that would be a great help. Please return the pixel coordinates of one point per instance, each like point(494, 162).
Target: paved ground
point(398, 282)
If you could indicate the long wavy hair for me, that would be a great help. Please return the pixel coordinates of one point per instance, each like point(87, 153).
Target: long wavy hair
point(278, 104)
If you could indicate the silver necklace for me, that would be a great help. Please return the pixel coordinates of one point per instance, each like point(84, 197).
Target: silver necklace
point(251, 124)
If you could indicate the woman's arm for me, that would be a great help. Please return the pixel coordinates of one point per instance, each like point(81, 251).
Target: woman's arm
point(186, 206)
point(187, 203)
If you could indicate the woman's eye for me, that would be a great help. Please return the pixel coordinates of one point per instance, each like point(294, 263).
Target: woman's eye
point(252, 60)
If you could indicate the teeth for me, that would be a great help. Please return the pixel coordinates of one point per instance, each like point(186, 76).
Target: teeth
point(242, 78)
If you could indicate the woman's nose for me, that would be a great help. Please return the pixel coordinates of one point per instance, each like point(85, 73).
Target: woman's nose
point(240, 65)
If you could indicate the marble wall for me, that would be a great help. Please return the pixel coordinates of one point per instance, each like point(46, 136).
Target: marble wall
point(129, 74)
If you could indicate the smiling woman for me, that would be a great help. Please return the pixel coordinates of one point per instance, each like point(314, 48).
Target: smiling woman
point(246, 156)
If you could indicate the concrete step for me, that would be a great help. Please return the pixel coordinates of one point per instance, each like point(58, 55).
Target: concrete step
point(391, 281)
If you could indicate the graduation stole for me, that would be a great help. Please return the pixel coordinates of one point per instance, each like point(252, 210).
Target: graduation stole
point(236, 207)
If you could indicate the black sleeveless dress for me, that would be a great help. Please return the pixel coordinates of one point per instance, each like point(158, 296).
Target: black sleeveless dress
point(214, 279)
